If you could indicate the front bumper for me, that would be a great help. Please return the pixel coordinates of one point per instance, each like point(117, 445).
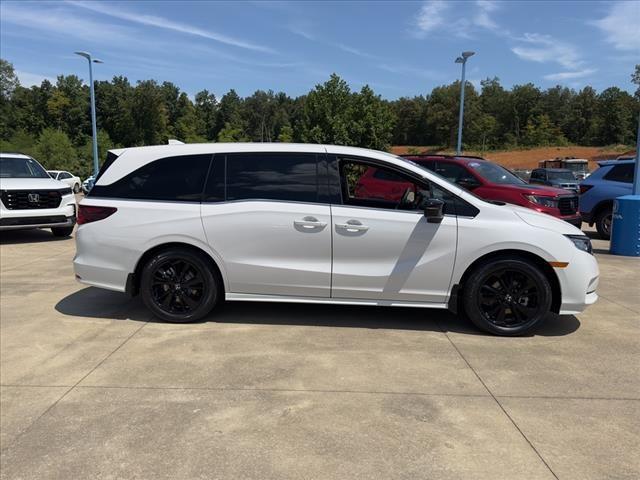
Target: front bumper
point(24, 223)
point(578, 283)
point(22, 219)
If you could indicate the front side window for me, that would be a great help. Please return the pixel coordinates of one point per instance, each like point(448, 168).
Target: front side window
point(494, 173)
point(272, 176)
point(403, 193)
point(621, 173)
point(453, 172)
point(168, 179)
point(13, 167)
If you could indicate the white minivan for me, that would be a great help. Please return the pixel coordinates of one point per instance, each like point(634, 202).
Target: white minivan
point(187, 226)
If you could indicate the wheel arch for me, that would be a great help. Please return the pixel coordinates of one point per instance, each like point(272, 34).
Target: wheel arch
point(455, 300)
point(133, 280)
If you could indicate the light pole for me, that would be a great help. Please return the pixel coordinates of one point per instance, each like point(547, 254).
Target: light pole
point(463, 60)
point(93, 110)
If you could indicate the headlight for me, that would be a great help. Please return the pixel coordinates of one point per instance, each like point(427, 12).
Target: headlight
point(550, 202)
point(65, 191)
point(582, 242)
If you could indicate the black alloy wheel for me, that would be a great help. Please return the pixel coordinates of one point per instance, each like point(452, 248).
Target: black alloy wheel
point(507, 297)
point(178, 285)
point(603, 223)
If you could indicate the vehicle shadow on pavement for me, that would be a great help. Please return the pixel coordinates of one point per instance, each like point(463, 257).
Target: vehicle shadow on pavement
point(30, 236)
point(97, 303)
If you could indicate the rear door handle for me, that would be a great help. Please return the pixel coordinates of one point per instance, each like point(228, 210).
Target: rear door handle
point(309, 223)
point(352, 226)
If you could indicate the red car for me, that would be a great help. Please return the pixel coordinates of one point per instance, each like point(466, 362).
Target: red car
point(485, 179)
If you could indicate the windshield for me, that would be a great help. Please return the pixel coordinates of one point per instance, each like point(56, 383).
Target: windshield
point(494, 173)
point(576, 166)
point(564, 176)
point(12, 167)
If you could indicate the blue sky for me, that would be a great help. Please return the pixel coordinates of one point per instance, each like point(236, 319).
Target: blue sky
point(399, 48)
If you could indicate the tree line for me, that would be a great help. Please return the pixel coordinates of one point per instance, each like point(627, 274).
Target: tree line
point(52, 121)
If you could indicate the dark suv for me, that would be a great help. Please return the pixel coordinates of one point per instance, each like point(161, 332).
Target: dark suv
point(491, 181)
point(555, 177)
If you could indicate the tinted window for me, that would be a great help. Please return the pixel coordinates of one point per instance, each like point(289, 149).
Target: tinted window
point(214, 191)
point(621, 173)
point(272, 176)
point(170, 179)
point(386, 175)
point(356, 190)
point(11, 167)
point(452, 172)
point(562, 176)
point(537, 175)
point(495, 173)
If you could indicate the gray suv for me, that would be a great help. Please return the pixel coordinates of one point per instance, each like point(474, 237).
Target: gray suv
point(555, 177)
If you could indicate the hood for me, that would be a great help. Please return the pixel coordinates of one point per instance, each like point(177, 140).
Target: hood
point(31, 184)
point(529, 189)
point(543, 220)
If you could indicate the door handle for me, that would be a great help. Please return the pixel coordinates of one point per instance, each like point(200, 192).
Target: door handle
point(352, 226)
point(309, 223)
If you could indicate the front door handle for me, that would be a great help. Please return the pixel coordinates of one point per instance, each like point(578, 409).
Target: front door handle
point(352, 226)
point(309, 223)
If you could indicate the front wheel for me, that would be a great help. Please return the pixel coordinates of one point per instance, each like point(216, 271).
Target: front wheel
point(178, 286)
point(507, 297)
point(61, 231)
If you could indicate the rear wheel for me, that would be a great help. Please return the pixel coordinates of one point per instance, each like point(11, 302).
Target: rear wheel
point(61, 231)
point(508, 296)
point(178, 286)
point(603, 223)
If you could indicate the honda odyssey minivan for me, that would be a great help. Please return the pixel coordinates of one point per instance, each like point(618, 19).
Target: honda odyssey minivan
point(188, 226)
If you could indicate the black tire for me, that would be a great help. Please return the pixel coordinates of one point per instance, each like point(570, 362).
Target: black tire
point(179, 286)
point(508, 296)
point(61, 231)
point(76, 188)
point(603, 222)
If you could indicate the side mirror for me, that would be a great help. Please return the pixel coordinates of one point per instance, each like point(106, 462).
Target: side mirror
point(468, 183)
point(433, 210)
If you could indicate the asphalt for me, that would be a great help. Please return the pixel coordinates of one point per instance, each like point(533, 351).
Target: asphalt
point(93, 387)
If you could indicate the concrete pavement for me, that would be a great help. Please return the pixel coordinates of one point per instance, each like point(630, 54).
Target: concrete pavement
point(93, 387)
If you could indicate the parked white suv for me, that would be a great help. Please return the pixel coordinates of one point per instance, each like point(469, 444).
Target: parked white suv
point(187, 226)
point(65, 177)
point(30, 198)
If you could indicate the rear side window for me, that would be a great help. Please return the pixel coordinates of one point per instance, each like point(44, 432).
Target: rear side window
point(620, 173)
point(168, 179)
point(272, 176)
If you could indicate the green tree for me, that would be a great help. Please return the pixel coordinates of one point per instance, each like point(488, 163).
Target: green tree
point(328, 113)
point(206, 107)
point(286, 134)
point(373, 120)
point(232, 133)
point(149, 114)
point(55, 151)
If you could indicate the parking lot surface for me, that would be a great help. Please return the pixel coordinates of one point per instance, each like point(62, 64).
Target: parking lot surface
point(93, 387)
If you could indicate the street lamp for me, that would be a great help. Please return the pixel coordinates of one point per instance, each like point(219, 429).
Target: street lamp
point(463, 60)
point(93, 110)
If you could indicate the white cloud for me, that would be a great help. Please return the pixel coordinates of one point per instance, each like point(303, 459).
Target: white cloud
point(483, 16)
point(431, 16)
point(28, 79)
point(544, 48)
point(570, 75)
point(161, 22)
point(436, 15)
point(64, 23)
point(622, 26)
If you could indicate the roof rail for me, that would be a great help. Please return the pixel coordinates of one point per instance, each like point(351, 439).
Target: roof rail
point(440, 155)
